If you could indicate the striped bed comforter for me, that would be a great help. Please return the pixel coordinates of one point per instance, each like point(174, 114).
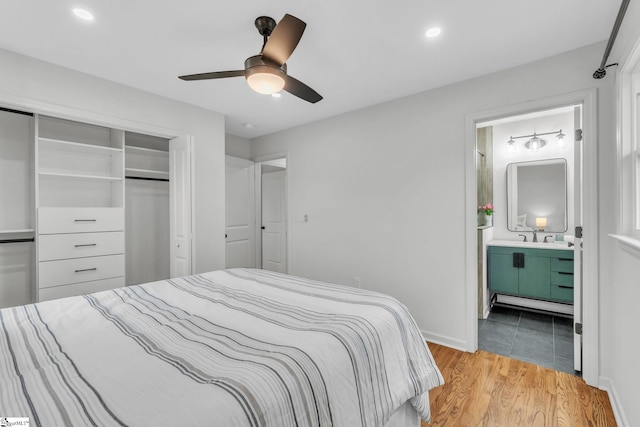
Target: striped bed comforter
point(237, 347)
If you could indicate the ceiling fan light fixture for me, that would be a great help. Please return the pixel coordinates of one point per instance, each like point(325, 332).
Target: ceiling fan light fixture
point(265, 83)
point(263, 77)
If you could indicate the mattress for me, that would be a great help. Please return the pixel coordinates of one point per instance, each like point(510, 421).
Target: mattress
point(239, 347)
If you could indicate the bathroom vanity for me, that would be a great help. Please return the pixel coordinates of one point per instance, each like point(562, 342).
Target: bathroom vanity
point(541, 271)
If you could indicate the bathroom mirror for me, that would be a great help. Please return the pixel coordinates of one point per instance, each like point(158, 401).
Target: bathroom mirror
point(537, 196)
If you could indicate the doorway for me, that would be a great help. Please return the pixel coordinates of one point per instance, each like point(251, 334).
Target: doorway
point(257, 214)
point(586, 162)
point(532, 191)
point(273, 215)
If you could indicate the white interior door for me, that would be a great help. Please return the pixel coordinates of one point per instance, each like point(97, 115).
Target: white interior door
point(274, 221)
point(577, 249)
point(180, 152)
point(240, 223)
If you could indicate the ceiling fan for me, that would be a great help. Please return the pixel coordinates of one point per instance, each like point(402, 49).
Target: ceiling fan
point(266, 73)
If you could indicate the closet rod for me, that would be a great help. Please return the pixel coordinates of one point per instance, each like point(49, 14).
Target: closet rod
point(16, 240)
point(9, 110)
point(147, 179)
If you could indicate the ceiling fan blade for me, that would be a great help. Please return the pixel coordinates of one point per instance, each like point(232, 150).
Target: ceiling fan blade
point(301, 90)
point(284, 39)
point(214, 75)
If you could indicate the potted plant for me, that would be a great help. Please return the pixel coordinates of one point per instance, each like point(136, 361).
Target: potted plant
point(488, 212)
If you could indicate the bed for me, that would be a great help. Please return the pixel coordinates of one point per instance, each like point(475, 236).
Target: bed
point(238, 347)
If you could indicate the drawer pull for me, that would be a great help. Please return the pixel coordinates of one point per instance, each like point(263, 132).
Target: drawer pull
point(564, 272)
point(84, 220)
point(86, 269)
point(88, 244)
point(565, 259)
point(565, 287)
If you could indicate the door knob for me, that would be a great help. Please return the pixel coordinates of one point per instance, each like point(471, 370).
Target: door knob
point(263, 227)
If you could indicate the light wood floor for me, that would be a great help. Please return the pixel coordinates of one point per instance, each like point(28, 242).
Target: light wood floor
point(485, 389)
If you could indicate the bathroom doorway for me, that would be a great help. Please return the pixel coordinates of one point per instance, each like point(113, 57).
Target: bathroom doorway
point(528, 313)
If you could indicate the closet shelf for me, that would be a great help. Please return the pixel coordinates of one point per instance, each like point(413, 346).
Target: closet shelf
point(146, 151)
point(146, 173)
point(77, 147)
point(17, 231)
point(80, 177)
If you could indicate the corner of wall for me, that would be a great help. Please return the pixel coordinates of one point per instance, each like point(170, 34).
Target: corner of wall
point(606, 384)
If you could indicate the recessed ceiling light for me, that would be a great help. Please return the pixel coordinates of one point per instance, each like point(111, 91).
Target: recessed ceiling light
point(276, 94)
point(433, 32)
point(83, 14)
point(248, 125)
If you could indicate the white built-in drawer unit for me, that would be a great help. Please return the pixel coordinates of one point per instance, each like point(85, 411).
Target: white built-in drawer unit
point(76, 270)
point(79, 220)
point(47, 294)
point(80, 245)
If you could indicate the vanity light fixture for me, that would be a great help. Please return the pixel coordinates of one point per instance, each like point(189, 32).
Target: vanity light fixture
point(561, 144)
point(536, 143)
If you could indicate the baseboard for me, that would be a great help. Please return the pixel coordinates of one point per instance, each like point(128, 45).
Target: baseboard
point(444, 340)
point(607, 385)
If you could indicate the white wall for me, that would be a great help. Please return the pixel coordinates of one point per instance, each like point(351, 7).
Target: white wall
point(384, 186)
point(237, 146)
point(24, 78)
point(501, 134)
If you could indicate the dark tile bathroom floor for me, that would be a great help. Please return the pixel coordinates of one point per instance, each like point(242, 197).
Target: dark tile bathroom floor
point(543, 339)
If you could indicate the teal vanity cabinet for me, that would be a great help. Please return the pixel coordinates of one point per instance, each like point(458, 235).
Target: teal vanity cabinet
point(544, 274)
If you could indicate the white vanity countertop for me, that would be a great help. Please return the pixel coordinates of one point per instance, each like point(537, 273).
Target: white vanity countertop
point(533, 245)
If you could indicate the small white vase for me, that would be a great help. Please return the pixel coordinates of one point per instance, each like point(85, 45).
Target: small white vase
point(488, 220)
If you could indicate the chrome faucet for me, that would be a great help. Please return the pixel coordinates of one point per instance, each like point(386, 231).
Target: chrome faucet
point(524, 237)
point(546, 237)
point(535, 236)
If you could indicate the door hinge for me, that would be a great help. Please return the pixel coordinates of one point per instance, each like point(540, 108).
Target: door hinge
point(578, 233)
point(579, 328)
point(578, 135)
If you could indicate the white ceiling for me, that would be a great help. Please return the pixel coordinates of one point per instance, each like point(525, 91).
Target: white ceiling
point(355, 53)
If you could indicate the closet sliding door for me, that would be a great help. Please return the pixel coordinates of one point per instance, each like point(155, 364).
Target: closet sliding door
point(17, 250)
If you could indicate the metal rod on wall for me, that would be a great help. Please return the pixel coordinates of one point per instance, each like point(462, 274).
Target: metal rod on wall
point(601, 72)
point(16, 240)
point(147, 179)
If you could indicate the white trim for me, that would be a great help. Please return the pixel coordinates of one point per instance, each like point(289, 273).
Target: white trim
point(618, 412)
point(443, 340)
point(588, 99)
point(626, 146)
point(62, 112)
point(628, 244)
point(237, 161)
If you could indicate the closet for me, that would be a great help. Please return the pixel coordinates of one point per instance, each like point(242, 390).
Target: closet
point(17, 248)
point(80, 208)
point(87, 208)
point(147, 208)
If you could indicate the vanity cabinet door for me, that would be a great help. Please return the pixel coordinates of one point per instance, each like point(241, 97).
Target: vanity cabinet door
point(535, 277)
point(503, 276)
